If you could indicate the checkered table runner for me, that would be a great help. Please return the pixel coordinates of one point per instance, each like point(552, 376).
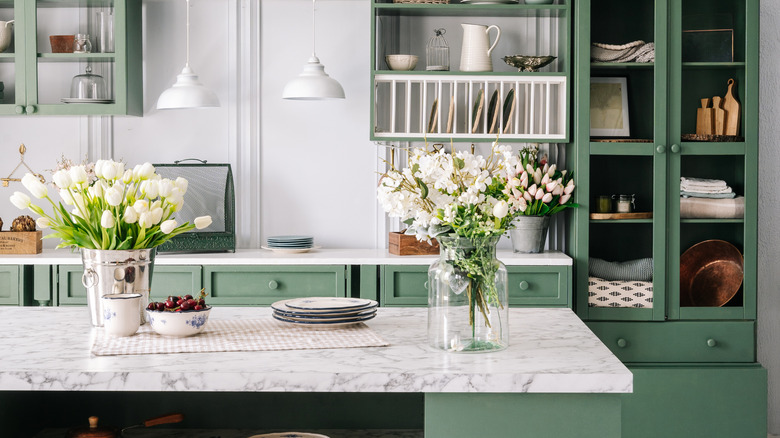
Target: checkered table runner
point(239, 335)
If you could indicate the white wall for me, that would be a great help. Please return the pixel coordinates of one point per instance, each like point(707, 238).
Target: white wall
point(307, 167)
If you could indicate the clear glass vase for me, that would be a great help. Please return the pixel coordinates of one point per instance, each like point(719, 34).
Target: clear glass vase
point(468, 300)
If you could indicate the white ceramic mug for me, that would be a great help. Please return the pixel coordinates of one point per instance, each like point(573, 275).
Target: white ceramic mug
point(121, 313)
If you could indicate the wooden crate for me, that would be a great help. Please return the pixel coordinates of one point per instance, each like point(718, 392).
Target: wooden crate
point(20, 242)
point(404, 244)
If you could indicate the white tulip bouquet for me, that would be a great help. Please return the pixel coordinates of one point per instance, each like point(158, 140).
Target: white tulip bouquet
point(536, 188)
point(109, 207)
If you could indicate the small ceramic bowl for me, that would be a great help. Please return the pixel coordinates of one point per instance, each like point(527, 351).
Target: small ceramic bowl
point(401, 62)
point(178, 324)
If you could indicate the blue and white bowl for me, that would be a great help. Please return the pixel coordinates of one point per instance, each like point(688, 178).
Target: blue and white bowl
point(178, 324)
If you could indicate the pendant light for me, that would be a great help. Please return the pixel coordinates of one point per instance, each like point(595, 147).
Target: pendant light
point(313, 83)
point(187, 92)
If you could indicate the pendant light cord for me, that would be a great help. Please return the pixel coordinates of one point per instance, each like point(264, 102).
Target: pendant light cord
point(313, 29)
point(187, 63)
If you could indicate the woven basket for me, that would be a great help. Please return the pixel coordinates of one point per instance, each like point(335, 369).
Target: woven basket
point(422, 1)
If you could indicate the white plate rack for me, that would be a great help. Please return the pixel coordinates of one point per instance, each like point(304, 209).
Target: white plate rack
point(529, 107)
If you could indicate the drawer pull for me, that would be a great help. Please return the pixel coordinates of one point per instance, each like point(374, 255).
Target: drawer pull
point(523, 285)
point(273, 284)
point(622, 343)
point(425, 285)
point(712, 342)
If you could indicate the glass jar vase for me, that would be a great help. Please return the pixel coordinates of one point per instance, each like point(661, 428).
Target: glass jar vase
point(468, 301)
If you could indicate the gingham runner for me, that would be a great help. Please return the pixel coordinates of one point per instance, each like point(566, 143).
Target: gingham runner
point(239, 335)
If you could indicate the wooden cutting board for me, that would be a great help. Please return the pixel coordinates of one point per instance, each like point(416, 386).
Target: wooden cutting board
point(704, 118)
point(634, 215)
point(719, 116)
point(731, 107)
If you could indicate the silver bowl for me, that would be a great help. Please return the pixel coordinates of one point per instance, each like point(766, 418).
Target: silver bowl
point(528, 63)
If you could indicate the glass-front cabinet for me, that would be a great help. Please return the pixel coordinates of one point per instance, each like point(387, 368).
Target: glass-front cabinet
point(656, 106)
point(72, 57)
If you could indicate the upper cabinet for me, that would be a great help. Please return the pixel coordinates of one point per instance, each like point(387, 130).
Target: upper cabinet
point(647, 116)
point(41, 75)
point(479, 96)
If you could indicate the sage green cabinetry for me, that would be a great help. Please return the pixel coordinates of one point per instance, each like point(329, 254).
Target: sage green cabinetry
point(685, 357)
point(35, 79)
point(12, 285)
point(531, 286)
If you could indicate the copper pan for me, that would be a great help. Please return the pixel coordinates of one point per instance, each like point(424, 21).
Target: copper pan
point(711, 273)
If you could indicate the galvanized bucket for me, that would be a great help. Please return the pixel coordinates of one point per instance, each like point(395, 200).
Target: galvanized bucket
point(529, 234)
point(116, 272)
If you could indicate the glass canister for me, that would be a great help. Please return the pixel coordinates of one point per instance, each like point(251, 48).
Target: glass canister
point(437, 52)
point(468, 299)
point(624, 203)
point(82, 44)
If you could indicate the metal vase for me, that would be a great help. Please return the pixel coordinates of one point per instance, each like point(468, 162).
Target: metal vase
point(529, 234)
point(116, 272)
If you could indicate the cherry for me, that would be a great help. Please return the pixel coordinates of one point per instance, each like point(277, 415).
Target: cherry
point(188, 297)
point(169, 304)
point(198, 307)
point(160, 306)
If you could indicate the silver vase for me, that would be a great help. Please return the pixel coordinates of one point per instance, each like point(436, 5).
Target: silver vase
point(116, 272)
point(529, 234)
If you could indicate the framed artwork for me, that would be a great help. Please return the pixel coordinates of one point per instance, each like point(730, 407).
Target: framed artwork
point(609, 107)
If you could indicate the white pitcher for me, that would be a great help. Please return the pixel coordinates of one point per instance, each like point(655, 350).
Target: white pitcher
point(475, 54)
point(6, 30)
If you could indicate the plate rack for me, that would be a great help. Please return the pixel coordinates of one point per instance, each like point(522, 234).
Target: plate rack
point(470, 108)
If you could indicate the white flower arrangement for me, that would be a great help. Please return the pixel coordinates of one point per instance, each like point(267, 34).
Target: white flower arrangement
point(109, 207)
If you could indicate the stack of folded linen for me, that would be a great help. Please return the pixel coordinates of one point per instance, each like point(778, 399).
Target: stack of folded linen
point(705, 188)
point(710, 199)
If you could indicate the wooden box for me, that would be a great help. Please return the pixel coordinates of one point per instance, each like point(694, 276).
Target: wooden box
point(20, 242)
point(404, 244)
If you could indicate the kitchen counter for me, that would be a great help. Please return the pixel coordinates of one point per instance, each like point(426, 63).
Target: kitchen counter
point(265, 257)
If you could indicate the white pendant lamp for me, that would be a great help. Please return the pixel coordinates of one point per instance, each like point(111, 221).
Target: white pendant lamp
point(313, 83)
point(187, 92)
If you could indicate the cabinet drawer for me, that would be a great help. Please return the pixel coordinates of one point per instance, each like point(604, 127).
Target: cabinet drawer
point(70, 291)
point(528, 285)
point(678, 341)
point(9, 285)
point(263, 285)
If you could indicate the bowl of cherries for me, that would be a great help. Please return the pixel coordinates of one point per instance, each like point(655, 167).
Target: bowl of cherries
point(179, 316)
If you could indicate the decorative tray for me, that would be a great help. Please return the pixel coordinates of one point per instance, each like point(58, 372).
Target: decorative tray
point(711, 137)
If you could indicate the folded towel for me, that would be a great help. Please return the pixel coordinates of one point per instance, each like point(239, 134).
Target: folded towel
point(636, 51)
point(729, 194)
point(702, 208)
point(703, 183)
point(631, 270)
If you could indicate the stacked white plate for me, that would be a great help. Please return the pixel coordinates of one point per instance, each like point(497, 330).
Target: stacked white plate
point(290, 244)
point(324, 311)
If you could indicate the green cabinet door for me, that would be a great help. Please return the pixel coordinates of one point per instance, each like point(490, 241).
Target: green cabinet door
point(263, 285)
point(36, 80)
point(11, 285)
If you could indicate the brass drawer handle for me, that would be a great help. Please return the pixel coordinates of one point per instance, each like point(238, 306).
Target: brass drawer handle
point(523, 285)
point(712, 342)
point(622, 343)
point(273, 284)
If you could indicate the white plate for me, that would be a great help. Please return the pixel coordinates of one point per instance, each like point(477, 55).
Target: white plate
point(73, 100)
point(290, 250)
point(319, 304)
point(326, 319)
point(322, 323)
point(289, 435)
point(281, 307)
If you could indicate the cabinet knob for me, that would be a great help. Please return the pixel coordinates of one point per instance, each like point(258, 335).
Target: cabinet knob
point(19, 109)
point(425, 285)
point(30, 109)
point(523, 285)
point(273, 284)
point(660, 149)
point(622, 343)
point(675, 148)
point(712, 342)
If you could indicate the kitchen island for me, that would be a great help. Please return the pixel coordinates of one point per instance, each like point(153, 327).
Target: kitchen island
point(556, 379)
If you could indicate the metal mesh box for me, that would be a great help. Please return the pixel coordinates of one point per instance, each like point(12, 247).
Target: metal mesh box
point(210, 192)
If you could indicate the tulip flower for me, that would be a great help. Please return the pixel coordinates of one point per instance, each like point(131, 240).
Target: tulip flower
point(20, 200)
point(114, 196)
point(182, 184)
point(532, 190)
point(527, 196)
point(551, 171)
point(545, 179)
point(145, 220)
point(538, 175)
point(62, 179)
point(146, 171)
point(150, 189)
point(539, 194)
point(202, 222)
point(569, 188)
point(109, 171)
point(165, 188)
point(564, 199)
point(43, 222)
point(547, 198)
point(130, 216)
point(157, 214)
point(34, 186)
point(107, 219)
point(141, 206)
point(127, 176)
point(551, 186)
point(168, 226)
point(558, 190)
point(501, 209)
point(78, 174)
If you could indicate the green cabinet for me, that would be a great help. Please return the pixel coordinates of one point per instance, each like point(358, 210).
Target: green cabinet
point(11, 285)
point(532, 286)
point(263, 285)
point(36, 80)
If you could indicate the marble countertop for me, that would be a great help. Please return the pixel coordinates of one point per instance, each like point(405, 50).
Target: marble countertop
point(320, 256)
point(551, 351)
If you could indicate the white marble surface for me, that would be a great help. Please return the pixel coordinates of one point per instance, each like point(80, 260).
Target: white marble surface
point(551, 351)
point(320, 256)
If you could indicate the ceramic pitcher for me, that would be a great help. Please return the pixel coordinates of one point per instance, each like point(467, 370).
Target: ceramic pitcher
point(6, 30)
point(475, 54)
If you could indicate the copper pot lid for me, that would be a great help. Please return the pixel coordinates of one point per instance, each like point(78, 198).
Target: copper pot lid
point(711, 273)
point(93, 431)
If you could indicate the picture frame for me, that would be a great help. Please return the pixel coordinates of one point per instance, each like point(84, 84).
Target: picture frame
point(609, 107)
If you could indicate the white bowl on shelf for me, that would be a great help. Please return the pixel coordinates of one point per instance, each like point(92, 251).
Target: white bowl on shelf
point(178, 324)
point(401, 62)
